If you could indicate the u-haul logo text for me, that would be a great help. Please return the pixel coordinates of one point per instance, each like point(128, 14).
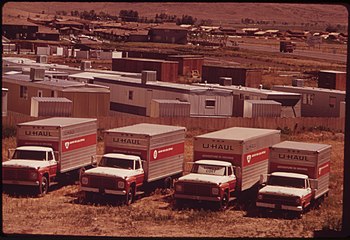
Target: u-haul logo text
point(127, 141)
point(217, 146)
point(293, 157)
point(38, 133)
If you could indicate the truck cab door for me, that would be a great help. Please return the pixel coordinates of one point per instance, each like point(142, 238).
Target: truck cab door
point(140, 176)
point(232, 178)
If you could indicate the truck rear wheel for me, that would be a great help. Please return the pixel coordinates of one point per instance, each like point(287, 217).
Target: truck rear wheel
point(44, 186)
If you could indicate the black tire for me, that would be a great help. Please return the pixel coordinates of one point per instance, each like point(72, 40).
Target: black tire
point(168, 183)
point(88, 197)
point(179, 204)
point(44, 186)
point(223, 205)
point(130, 195)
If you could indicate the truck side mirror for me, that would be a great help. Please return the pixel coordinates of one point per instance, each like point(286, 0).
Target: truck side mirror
point(263, 179)
point(93, 161)
point(314, 184)
point(238, 171)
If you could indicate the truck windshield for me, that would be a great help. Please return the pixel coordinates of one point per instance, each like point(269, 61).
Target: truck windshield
point(117, 163)
point(28, 154)
point(286, 182)
point(209, 169)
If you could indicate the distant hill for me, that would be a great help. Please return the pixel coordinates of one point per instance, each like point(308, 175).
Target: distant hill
point(225, 13)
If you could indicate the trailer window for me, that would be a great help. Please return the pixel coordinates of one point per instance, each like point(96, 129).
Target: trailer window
point(23, 92)
point(131, 95)
point(210, 103)
point(30, 155)
point(308, 99)
point(286, 181)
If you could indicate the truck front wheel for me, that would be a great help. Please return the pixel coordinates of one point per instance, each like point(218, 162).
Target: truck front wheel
point(44, 186)
point(129, 198)
point(223, 205)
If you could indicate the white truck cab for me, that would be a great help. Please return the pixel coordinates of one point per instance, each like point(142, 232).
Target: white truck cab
point(287, 191)
point(209, 180)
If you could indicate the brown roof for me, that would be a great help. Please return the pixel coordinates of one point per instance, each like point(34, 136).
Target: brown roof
point(43, 29)
point(17, 21)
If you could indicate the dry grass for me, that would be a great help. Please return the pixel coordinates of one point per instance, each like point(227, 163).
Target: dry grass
point(59, 213)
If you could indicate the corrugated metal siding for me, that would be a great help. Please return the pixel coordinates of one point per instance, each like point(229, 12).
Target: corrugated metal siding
point(165, 167)
point(169, 108)
point(187, 63)
point(261, 108)
point(251, 174)
point(51, 107)
point(323, 185)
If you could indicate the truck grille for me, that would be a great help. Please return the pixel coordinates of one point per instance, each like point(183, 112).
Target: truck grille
point(270, 198)
point(197, 189)
point(102, 182)
point(16, 174)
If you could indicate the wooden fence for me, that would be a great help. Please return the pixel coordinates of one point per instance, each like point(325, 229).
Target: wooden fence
point(208, 123)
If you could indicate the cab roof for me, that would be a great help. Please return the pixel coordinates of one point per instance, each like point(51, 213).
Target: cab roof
point(287, 174)
point(214, 162)
point(122, 156)
point(34, 148)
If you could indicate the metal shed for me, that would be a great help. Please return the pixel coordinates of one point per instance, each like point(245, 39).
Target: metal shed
point(51, 107)
point(169, 108)
point(316, 102)
point(188, 63)
point(261, 108)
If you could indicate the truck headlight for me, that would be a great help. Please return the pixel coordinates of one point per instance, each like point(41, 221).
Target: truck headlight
point(121, 184)
point(85, 180)
point(260, 197)
point(215, 191)
point(33, 175)
point(179, 188)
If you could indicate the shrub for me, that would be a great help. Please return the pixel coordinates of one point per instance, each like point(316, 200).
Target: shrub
point(8, 132)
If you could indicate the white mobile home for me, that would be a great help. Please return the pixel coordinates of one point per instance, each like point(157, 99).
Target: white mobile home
point(317, 102)
point(134, 95)
point(290, 102)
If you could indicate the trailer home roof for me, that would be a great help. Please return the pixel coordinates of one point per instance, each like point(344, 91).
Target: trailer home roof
point(58, 122)
point(147, 129)
point(167, 86)
point(309, 89)
point(301, 146)
point(239, 133)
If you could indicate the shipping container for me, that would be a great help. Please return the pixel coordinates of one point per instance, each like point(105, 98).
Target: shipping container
point(261, 108)
point(332, 79)
point(246, 148)
point(311, 159)
point(51, 107)
point(169, 108)
point(74, 139)
point(167, 71)
point(240, 76)
point(160, 146)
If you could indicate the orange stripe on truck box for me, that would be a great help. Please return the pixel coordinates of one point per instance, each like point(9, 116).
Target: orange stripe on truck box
point(79, 142)
point(167, 151)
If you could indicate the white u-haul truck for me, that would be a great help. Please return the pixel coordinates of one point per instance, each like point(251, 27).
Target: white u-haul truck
point(226, 163)
point(136, 157)
point(298, 176)
point(48, 149)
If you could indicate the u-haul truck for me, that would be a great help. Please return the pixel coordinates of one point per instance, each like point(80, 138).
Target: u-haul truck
point(48, 149)
point(135, 156)
point(298, 176)
point(227, 162)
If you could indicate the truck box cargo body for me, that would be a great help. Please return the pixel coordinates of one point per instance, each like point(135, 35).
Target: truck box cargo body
point(74, 139)
point(246, 148)
point(311, 159)
point(160, 146)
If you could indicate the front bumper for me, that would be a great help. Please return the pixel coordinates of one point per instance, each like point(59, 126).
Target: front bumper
point(25, 183)
point(104, 191)
point(198, 198)
point(279, 206)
